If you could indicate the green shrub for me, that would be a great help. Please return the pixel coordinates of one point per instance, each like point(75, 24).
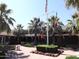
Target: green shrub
point(47, 48)
point(28, 45)
point(72, 57)
point(4, 48)
point(23, 43)
point(2, 55)
point(10, 47)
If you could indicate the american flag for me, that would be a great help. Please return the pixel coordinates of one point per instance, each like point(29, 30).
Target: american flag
point(46, 6)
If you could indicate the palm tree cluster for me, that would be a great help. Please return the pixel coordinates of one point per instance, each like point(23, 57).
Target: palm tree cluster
point(36, 26)
point(75, 18)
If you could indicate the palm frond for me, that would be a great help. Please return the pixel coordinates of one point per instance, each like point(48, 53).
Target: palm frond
point(31, 21)
point(4, 27)
point(8, 11)
point(12, 19)
point(75, 15)
point(10, 22)
point(61, 23)
point(6, 17)
point(8, 28)
point(69, 20)
point(49, 20)
point(72, 3)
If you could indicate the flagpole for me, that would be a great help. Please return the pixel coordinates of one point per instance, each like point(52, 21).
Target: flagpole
point(47, 30)
point(47, 21)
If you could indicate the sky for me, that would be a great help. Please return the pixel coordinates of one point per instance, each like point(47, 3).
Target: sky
point(25, 10)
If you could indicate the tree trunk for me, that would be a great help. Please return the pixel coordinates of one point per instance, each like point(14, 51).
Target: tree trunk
point(18, 41)
point(35, 40)
point(2, 41)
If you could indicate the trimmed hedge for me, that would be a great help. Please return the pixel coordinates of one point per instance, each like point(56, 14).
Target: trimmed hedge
point(72, 57)
point(47, 48)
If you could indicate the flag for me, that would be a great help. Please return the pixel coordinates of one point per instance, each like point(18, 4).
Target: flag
point(46, 6)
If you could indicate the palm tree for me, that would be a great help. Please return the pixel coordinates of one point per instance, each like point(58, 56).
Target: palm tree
point(19, 27)
point(53, 20)
point(19, 32)
point(5, 19)
point(69, 26)
point(76, 18)
point(72, 3)
point(35, 26)
point(55, 24)
point(72, 24)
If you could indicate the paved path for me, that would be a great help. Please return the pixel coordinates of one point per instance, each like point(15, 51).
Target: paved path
point(26, 51)
point(37, 56)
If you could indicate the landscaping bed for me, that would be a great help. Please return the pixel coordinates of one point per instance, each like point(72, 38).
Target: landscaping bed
point(47, 48)
point(48, 54)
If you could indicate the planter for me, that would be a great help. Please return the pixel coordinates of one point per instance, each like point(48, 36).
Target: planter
point(47, 48)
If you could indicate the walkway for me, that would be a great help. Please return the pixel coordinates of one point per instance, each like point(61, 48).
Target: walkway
point(26, 52)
